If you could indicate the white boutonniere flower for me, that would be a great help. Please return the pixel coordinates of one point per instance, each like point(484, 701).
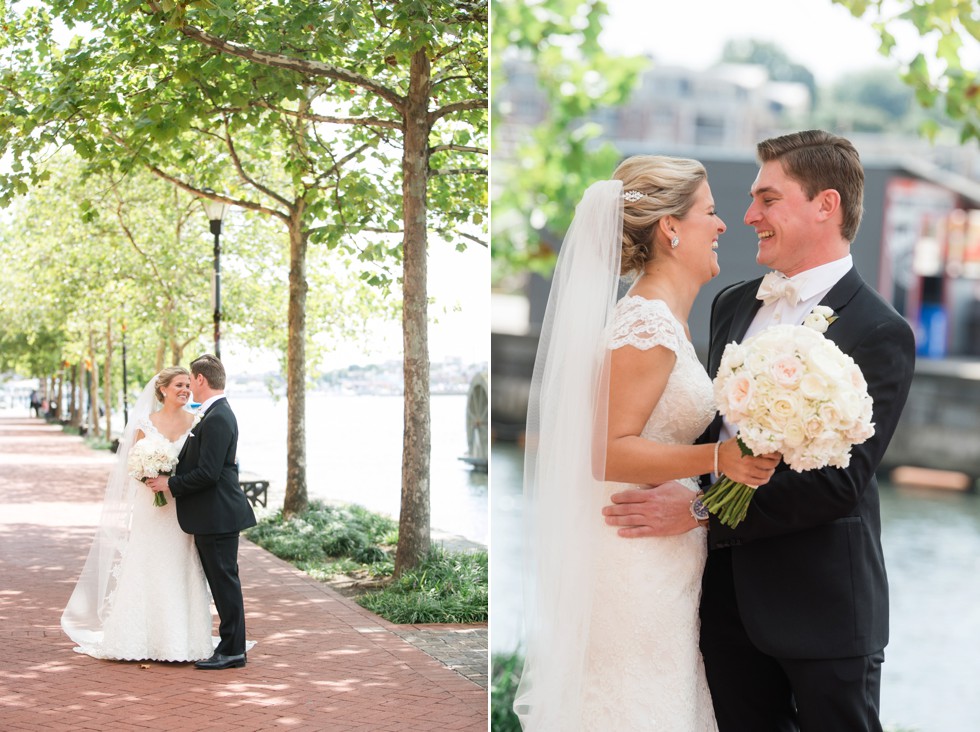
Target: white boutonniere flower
point(820, 318)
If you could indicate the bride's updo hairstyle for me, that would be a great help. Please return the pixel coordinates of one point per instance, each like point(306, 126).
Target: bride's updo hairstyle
point(166, 376)
point(668, 186)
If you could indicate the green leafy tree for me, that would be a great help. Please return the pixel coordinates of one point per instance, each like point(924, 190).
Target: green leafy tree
point(555, 46)
point(359, 126)
point(108, 257)
point(876, 100)
point(937, 74)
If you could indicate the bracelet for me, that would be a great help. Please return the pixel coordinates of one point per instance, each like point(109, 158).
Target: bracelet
point(717, 445)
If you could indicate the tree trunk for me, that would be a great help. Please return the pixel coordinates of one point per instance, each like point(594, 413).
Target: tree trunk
point(296, 500)
point(413, 523)
point(161, 354)
point(60, 394)
point(94, 420)
point(93, 394)
point(76, 396)
point(107, 380)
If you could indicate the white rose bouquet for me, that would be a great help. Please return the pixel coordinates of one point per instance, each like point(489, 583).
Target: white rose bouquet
point(152, 456)
point(790, 390)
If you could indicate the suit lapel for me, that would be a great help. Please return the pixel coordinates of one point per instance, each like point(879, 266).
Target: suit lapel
point(214, 406)
point(195, 428)
point(844, 291)
point(748, 306)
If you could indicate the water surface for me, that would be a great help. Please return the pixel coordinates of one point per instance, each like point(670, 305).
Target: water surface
point(931, 541)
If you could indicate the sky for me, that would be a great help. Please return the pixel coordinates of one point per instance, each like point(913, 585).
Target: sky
point(818, 34)
point(459, 318)
point(459, 310)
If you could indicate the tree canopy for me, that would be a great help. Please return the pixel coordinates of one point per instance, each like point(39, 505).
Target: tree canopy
point(935, 71)
point(359, 126)
point(553, 45)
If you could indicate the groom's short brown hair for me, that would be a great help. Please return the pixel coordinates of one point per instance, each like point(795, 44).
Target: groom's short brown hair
point(211, 369)
point(819, 160)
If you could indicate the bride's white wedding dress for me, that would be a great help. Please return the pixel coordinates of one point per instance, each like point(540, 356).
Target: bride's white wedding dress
point(644, 668)
point(160, 606)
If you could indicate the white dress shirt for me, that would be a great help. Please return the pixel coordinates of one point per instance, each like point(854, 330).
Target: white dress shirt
point(207, 404)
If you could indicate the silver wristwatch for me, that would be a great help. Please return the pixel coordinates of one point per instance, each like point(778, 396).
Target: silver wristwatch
point(698, 509)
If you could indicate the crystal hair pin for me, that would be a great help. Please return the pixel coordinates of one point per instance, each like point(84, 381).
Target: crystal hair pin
point(632, 196)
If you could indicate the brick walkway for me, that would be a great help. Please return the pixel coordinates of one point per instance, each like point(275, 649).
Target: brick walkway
point(322, 662)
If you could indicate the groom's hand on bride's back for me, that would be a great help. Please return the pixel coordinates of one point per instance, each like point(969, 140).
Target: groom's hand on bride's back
point(664, 510)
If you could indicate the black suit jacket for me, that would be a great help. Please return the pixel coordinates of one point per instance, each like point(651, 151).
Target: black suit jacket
point(807, 561)
point(205, 482)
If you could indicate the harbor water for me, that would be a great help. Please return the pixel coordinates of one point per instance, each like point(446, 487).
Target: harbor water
point(931, 540)
point(354, 454)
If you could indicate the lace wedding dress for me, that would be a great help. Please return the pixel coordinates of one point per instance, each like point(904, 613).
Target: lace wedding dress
point(644, 668)
point(158, 606)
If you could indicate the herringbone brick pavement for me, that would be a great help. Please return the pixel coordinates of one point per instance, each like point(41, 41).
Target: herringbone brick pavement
point(321, 663)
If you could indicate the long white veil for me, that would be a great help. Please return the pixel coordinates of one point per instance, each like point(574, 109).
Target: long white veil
point(88, 606)
point(562, 496)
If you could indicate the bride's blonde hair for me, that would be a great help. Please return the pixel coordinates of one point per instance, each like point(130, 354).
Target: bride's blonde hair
point(668, 186)
point(165, 377)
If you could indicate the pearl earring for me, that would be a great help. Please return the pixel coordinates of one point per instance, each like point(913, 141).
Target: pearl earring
point(674, 242)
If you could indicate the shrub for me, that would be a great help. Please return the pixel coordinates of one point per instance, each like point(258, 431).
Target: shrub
point(505, 674)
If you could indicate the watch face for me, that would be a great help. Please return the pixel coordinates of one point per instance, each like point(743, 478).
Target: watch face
point(700, 512)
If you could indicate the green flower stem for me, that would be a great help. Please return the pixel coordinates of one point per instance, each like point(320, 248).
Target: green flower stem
point(728, 500)
point(159, 499)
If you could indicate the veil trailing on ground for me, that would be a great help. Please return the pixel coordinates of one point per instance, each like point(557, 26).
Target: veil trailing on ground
point(565, 452)
point(88, 606)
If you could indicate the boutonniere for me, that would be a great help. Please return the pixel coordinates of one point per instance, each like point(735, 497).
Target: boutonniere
point(820, 318)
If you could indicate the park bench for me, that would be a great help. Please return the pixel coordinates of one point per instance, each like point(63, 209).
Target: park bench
point(254, 487)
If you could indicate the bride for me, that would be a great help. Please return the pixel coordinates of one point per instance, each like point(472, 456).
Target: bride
point(618, 397)
point(142, 592)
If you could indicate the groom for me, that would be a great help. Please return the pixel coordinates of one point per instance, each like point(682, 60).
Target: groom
point(212, 506)
point(794, 607)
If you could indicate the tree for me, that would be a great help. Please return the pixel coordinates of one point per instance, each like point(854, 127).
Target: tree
point(108, 255)
point(298, 112)
point(938, 75)
point(553, 45)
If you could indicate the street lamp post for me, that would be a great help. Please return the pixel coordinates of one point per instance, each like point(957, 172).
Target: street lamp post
point(215, 211)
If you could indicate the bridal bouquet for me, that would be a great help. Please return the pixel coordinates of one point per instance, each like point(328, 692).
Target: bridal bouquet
point(791, 390)
point(150, 457)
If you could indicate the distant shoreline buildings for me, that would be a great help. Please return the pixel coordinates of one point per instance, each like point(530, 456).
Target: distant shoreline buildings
point(448, 376)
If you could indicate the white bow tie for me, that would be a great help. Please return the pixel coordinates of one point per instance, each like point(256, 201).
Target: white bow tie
point(775, 285)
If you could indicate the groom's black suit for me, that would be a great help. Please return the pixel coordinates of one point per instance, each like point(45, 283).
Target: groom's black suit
point(212, 507)
point(796, 596)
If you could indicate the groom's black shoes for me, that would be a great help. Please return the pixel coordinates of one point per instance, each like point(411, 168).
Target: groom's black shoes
point(218, 661)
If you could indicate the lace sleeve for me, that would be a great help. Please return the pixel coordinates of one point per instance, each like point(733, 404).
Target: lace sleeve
point(644, 324)
point(144, 425)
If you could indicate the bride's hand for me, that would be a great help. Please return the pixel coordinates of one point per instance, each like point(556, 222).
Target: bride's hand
point(158, 484)
point(747, 469)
